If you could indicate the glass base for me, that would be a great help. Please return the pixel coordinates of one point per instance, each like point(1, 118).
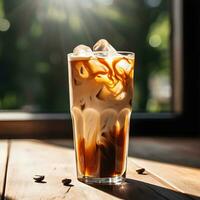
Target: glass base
point(102, 181)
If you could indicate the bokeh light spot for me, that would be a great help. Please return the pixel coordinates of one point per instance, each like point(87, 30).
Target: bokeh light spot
point(155, 40)
point(4, 24)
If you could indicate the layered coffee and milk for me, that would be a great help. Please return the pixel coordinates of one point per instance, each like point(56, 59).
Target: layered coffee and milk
point(101, 90)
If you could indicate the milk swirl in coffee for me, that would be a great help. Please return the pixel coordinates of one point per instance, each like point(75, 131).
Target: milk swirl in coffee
point(101, 91)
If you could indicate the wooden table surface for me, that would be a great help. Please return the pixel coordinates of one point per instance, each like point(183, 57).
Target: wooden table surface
point(172, 171)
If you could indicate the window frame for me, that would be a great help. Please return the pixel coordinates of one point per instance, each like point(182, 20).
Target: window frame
point(184, 121)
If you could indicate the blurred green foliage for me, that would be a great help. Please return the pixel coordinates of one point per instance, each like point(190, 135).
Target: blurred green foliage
point(33, 74)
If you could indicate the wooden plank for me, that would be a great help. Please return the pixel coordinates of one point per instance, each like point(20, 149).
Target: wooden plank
point(181, 151)
point(3, 160)
point(183, 179)
point(56, 162)
point(175, 161)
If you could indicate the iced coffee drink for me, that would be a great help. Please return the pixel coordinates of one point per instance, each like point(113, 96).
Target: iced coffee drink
point(101, 91)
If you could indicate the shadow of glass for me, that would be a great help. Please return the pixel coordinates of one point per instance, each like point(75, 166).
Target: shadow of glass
point(138, 190)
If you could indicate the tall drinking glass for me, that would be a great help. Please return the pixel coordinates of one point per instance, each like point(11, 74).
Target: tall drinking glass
point(101, 91)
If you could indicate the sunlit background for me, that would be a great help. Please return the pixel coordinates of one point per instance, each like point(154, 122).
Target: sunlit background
point(36, 35)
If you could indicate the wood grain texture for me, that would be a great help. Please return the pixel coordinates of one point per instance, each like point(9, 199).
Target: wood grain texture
point(183, 179)
point(179, 151)
point(56, 162)
point(3, 160)
point(173, 160)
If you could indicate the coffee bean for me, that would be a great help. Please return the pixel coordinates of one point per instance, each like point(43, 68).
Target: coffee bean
point(140, 171)
point(66, 181)
point(38, 178)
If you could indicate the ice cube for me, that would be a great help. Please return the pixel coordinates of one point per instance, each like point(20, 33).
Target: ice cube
point(97, 67)
point(123, 66)
point(117, 89)
point(104, 45)
point(82, 50)
point(121, 96)
point(103, 94)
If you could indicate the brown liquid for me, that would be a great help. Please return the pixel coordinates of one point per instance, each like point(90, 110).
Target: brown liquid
point(101, 91)
point(111, 156)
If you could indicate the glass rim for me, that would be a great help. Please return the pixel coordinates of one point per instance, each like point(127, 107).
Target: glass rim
point(123, 53)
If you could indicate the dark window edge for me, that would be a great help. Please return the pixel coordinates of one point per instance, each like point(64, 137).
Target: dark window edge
point(142, 124)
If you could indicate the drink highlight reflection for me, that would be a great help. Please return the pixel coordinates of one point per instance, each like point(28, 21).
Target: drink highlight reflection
point(101, 90)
